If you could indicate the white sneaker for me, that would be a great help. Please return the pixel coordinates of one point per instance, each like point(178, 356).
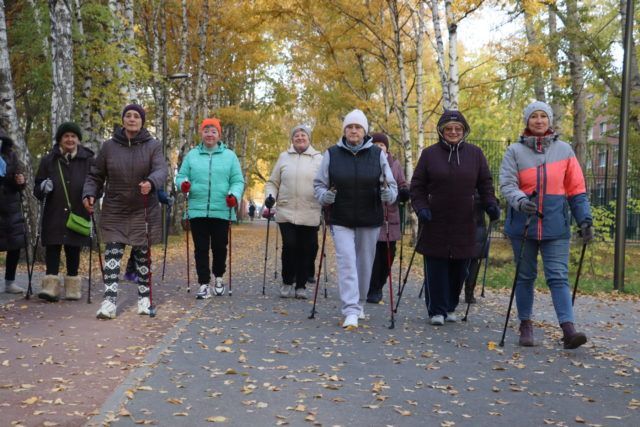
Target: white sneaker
point(107, 310)
point(451, 317)
point(286, 291)
point(437, 320)
point(218, 288)
point(301, 293)
point(143, 305)
point(361, 316)
point(12, 288)
point(204, 292)
point(351, 321)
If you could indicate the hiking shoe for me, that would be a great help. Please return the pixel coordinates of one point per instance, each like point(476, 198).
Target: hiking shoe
point(374, 298)
point(107, 310)
point(571, 338)
point(218, 288)
point(132, 277)
point(437, 320)
point(350, 322)
point(451, 317)
point(12, 288)
point(301, 293)
point(204, 292)
point(526, 333)
point(143, 305)
point(286, 291)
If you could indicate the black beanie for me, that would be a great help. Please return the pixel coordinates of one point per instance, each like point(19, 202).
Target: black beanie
point(68, 127)
point(135, 107)
point(380, 137)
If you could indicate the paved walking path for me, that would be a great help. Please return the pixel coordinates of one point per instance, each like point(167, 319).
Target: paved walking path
point(253, 359)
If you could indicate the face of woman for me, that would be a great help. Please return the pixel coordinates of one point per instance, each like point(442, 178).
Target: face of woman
point(382, 146)
point(300, 141)
point(69, 142)
point(538, 123)
point(453, 132)
point(354, 134)
point(132, 122)
point(210, 136)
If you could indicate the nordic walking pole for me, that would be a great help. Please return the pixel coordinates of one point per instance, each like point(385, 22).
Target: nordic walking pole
point(485, 251)
point(575, 286)
point(403, 208)
point(392, 320)
point(152, 308)
point(90, 262)
point(519, 261)
point(266, 245)
point(231, 202)
point(185, 190)
point(406, 275)
point(97, 235)
point(326, 275)
point(166, 239)
point(27, 244)
point(315, 292)
point(486, 262)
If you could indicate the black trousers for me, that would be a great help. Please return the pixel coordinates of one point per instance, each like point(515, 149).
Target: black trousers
point(312, 258)
point(11, 266)
point(209, 233)
point(445, 278)
point(380, 269)
point(298, 242)
point(52, 259)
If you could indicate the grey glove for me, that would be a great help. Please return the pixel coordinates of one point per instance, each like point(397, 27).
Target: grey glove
point(328, 198)
point(46, 186)
point(586, 232)
point(386, 195)
point(527, 206)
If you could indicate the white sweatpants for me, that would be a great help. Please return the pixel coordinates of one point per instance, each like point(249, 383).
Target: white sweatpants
point(355, 253)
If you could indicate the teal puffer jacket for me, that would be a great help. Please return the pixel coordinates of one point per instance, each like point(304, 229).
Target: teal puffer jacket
point(213, 175)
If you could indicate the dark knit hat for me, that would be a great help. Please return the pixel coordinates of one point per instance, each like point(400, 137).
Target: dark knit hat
point(68, 127)
point(453, 116)
point(135, 107)
point(380, 137)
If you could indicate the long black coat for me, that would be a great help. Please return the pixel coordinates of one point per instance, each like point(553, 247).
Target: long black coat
point(12, 228)
point(446, 182)
point(56, 211)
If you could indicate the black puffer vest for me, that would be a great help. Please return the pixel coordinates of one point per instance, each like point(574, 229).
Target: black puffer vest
point(356, 177)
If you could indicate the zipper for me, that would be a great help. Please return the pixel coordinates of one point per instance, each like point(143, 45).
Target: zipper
point(209, 189)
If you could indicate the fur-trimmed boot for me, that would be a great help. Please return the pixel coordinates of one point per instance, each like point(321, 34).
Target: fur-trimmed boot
point(72, 287)
point(572, 339)
point(526, 333)
point(50, 288)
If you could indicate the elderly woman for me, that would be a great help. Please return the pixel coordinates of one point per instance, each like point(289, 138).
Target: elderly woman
point(298, 213)
point(211, 175)
point(542, 164)
point(443, 193)
point(353, 182)
point(59, 181)
point(129, 169)
point(12, 229)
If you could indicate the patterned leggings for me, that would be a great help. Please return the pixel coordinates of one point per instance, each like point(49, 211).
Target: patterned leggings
point(112, 257)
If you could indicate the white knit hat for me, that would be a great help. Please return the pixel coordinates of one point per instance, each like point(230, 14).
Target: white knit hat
point(538, 106)
point(356, 117)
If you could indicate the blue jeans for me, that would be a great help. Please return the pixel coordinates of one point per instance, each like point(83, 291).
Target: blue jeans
point(555, 260)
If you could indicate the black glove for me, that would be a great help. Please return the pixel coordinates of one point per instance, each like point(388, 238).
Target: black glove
point(269, 201)
point(403, 195)
point(527, 206)
point(494, 212)
point(586, 232)
point(424, 215)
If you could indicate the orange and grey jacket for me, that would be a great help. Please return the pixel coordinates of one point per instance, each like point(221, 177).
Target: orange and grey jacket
point(549, 167)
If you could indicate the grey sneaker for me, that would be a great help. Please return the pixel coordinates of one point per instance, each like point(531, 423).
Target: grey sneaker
point(107, 310)
point(437, 320)
point(12, 288)
point(218, 288)
point(203, 292)
point(301, 293)
point(451, 317)
point(286, 291)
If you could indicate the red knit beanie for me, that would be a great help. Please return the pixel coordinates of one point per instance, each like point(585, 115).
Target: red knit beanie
point(211, 122)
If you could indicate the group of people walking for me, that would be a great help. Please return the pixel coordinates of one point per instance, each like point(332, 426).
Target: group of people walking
point(354, 189)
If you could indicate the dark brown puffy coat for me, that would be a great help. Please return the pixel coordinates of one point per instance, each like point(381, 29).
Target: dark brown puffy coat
point(56, 211)
point(12, 229)
point(445, 181)
point(121, 165)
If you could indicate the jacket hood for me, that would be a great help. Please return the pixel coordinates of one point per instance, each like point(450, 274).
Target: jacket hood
point(120, 137)
point(310, 151)
point(538, 143)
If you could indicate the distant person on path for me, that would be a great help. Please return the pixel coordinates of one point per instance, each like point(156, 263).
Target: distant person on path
point(59, 182)
point(543, 164)
point(443, 194)
point(12, 225)
point(211, 174)
point(353, 183)
point(252, 210)
point(129, 170)
point(298, 214)
point(380, 271)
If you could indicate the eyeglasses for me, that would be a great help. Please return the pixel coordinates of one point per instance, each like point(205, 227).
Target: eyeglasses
point(453, 129)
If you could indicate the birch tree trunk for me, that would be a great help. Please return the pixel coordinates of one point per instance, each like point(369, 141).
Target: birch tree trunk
point(452, 27)
point(182, 66)
point(122, 35)
point(61, 63)
point(9, 121)
point(419, 37)
point(554, 74)
point(440, 55)
point(158, 81)
point(576, 71)
point(532, 42)
point(37, 17)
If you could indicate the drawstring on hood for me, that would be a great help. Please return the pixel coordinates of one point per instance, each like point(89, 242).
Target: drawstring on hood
point(453, 148)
